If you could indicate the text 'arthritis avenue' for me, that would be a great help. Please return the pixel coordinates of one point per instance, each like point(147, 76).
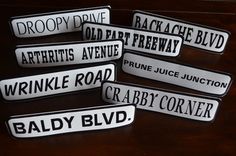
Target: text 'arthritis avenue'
point(54, 55)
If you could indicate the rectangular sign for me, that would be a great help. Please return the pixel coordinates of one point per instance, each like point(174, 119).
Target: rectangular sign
point(135, 39)
point(58, 54)
point(57, 22)
point(57, 82)
point(68, 121)
point(177, 74)
point(195, 35)
point(159, 100)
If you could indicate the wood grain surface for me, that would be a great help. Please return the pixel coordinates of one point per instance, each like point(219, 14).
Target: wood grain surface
point(151, 133)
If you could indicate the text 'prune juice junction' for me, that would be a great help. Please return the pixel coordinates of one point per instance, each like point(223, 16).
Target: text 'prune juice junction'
point(203, 80)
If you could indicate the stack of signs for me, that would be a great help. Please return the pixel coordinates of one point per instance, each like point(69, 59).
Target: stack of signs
point(150, 35)
point(60, 54)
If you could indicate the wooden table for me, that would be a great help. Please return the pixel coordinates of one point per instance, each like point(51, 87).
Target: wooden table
point(151, 133)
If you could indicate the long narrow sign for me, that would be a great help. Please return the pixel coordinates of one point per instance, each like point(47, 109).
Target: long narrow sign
point(57, 22)
point(57, 82)
point(162, 101)
point(58, 54)
point(195, 35)
point(68, 121)
point(135, 39)
point(178, 74)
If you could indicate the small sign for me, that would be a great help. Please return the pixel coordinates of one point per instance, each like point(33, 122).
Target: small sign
point(178, 74)
point(68, 121)
point(57, 82)
point(135, 39)
point(45, 55)
point(195, 35)
point(159, 100)
point(57, 22)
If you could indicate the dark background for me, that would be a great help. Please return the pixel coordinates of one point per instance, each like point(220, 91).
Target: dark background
point(152, 133)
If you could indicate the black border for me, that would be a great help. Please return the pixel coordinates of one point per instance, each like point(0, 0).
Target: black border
point(185, 22)
point(56, 12)
point(46, 96)
point(141, 30)
point(68, 43)
point(187, 65)
point(167, 91)
point(66, 111)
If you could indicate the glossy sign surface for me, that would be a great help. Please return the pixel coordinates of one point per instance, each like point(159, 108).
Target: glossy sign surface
point(59, 54)
point(57, 22)
point(162, 101)
point(57, 82)
point(177, 74)
point(195, 35)
point(68, 121)
point(135, 39)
